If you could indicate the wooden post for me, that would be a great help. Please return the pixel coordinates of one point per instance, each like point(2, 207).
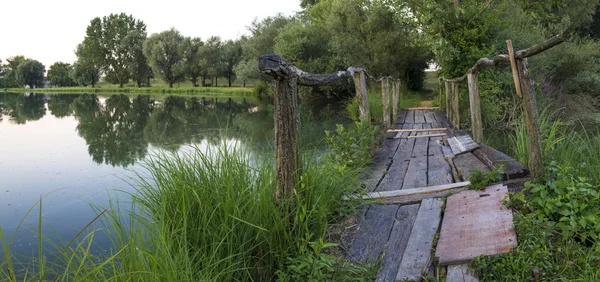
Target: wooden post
point(440, 86)
point(513, 66)
point(455, 111)
point(385, 96)
point(448, 96)
point(360, 85)
point(288, 165)
point(395, 100)
point(476, 123)
point(531, 119)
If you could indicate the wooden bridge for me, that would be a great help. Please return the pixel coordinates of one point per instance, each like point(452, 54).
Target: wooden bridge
point(424, 159)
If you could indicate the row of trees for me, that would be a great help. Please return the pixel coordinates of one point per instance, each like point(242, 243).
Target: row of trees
point(117, 47)
point(19, 71)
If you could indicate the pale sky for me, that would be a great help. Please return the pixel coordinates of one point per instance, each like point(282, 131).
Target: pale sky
point(49, 30)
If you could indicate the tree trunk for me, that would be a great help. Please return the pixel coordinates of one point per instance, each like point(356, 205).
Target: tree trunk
point(244, 83)
point(229, 80)
point(170, 84)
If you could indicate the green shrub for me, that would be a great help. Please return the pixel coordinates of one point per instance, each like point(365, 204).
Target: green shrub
point(352, 148)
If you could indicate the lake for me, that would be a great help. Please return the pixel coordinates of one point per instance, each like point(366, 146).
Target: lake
point(79, 151)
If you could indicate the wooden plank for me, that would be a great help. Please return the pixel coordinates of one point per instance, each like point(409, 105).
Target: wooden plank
point(401, 116)
point(410, 117)
point(419, 116)
point(467, 163)
point(462, 144)
point(417, 256)
point(475, 223)
point(461, 273)
point(373, 233)
point(494, 158)
point(429, 116)
point(428, 136)
point(397, 243)
point(416, 176)
point(392, 196)
point(394, 177)
point(417, 130)
point(424, 108)
point(513, 67)
point(382, 159)
point(440, 117)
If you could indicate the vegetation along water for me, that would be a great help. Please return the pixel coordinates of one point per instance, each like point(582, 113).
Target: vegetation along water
point(151, 158)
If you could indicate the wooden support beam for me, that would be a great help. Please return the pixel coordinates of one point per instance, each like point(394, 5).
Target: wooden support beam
point(531, 119)
point(385, 96)
point(424, 108)
point(417, 130)
point(395, 100)
point(513, 67)
point(448, 96)
point(414, 195)
point(455, 110)
point(427, 136)
point(475, 106)
point(360, 84)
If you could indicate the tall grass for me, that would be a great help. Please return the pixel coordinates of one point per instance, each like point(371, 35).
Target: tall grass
point(562, 143)
point(202, 216)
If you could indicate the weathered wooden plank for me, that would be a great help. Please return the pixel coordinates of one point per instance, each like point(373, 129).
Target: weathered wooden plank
point(424, 108)
point(416, 176)
point(462, 144)
point(417, 256)
point(394, 177)
point(397, 243)
point(373, 233)
point(440, 117)
point(419, 116)
point(380, 163)
point(417, 130)
point(475, 223)
point(467, 163)
point(410, 117)
point(428, 135)
point(461, 273)
point(401, 116)
point(424, 192)
point(494, 158)
point(429, 116)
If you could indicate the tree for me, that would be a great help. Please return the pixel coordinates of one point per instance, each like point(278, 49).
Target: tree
point(59, 74)
point(164, 52)
point(1, 77)
point(137, 63)
point(85, 74)
point(231, 55)
point(212, 54)
point(31, 72)
point(10, 80)
point(104, 45)
point(195, 62)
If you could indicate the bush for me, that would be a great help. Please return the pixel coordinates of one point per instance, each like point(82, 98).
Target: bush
point(352, 148)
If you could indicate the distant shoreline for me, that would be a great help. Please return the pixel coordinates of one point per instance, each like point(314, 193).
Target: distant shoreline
point(142, 90)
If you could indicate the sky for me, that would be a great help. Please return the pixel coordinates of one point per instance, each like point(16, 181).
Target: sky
point(49, 30)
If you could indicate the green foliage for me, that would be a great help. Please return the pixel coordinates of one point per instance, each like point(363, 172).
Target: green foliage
point(231, 55)
point(137, 63)
point(87, 68)
point(59, 74)
point(480, 180)
point(352, 147)
point(164, 52)
point(194, 60)
point(31, 72)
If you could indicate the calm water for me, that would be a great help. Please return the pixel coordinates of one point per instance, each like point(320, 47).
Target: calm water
point(77, 150)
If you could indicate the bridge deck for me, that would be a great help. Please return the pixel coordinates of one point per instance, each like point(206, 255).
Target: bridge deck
point(401, 236)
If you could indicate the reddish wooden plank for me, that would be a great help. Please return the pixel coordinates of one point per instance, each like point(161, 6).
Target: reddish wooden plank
point(475, 223)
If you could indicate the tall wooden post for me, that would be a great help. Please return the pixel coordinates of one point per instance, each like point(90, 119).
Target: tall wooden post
point(441, 90)
point(475, 107)
point(395, 100)
point(534, 142)
point(360, 84)
point(448, 96)
point(455, 110)
point(385, 96)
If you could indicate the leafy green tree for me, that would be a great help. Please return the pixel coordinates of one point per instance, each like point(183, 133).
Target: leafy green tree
point(1, 77)
point(137, 63)
point(104, 45)
point(59, 74)
point(60, 104)
point(85, 73)
point(10, 79)
point(212, 53)
point(31, 72)
point(195, 62)
point(231, 55)
point(164, 52)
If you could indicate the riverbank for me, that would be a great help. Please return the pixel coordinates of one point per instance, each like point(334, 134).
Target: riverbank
point(142, 90)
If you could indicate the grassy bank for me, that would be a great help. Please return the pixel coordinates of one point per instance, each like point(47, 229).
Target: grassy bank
point(142, 90)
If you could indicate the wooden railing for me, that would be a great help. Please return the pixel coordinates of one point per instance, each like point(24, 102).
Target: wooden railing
point(524, 87)
point(287, 118)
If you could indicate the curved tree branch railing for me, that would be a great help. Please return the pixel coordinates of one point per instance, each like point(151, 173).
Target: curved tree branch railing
point(287, 118)
point(524, 87)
